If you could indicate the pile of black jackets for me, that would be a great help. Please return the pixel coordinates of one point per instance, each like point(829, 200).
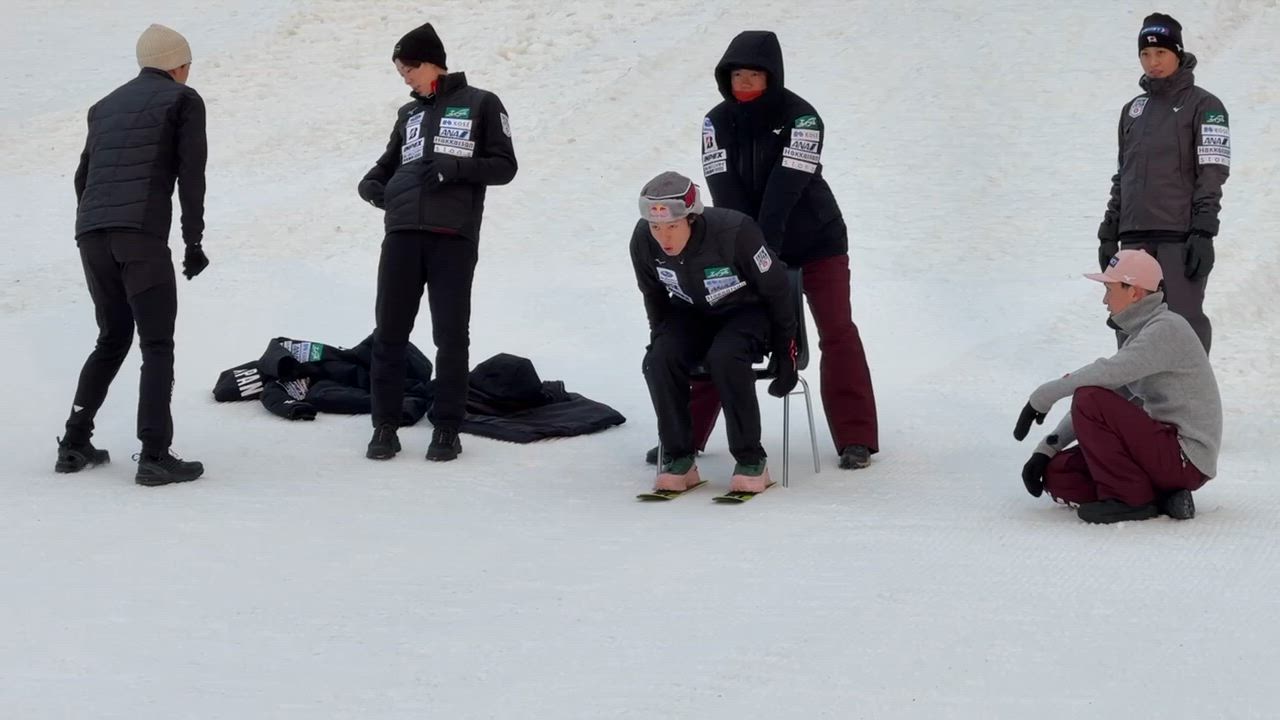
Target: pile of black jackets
point(295, 379)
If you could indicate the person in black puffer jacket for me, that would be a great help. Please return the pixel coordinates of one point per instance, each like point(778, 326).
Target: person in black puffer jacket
point(144, 137)
point(447, 145)
point(762, 155)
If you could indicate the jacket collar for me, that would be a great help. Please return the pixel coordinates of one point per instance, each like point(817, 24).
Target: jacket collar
point(1184, 78)
point(1135, 317)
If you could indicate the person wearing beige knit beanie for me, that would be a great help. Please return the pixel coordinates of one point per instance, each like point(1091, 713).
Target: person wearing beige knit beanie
point(164, 48)
point(145, 137)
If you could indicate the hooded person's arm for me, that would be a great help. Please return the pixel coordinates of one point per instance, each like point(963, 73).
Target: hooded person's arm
point(726, 187)
point(801, 159)
point(761, 269)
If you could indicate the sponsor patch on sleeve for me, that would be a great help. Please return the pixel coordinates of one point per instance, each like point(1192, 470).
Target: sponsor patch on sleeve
point(1215, 145)
point(808, 122)
point(1135, 109)
point(1215, 117)
point(506, 124)
point(763, 259)
point(810, 157)
point(708, 135)
point(713, 162)
point(800, 165)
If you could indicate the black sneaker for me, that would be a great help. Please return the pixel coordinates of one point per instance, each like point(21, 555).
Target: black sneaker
point(444, 446)
point(74, 457)
point(651, 457)
point(1179, 506)
point(163, 469)
point(855, 457)
point(384, 445)
point(1105, 512)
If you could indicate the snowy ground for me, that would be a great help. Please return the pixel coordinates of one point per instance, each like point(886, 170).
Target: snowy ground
point(971, 144)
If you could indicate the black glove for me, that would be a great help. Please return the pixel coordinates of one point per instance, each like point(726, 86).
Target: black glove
point(1198, 256)
point(788, 374)
point(1106, 251)
point(1024, 422)
point(1033, 473)
point(195, 261)
point(440, 171)
point(372, 192)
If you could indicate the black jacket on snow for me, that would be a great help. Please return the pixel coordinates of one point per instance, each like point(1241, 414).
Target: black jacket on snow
point(1174, 157)
point(461, 133)
point(295, 379)
point(725, 266)
point(764, 158)
point(144, 136)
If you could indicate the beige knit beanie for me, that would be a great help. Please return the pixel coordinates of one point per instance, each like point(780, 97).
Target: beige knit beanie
point(162, 48)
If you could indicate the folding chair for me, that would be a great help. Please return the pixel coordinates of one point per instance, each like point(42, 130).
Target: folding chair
point(769, 372)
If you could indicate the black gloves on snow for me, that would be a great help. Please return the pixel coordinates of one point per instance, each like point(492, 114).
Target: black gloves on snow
point(299, 411)
point(1198, 256)
point(788, 374)
point(194, 261)
point(1033, 473)
point(1106, 251)
point(1024, 422)
point(372, 192)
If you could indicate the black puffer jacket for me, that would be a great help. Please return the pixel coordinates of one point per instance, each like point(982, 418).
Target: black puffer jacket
point(144, 136)
point(764, 158)
point(725, 266)
point(461, 133)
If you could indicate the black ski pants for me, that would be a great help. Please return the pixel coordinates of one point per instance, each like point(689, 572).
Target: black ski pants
point(446, 265)
point(1184, 296)
point(726, 345)
point(131, 281)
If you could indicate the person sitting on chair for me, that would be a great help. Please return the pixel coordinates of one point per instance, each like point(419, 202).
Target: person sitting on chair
point(1147, 421)
point(715, 295)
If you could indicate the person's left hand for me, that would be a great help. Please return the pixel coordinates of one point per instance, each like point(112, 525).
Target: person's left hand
point(1027, 415)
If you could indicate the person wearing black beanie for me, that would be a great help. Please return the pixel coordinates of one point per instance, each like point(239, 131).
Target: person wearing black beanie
point(1174, 157)
point(448, 144)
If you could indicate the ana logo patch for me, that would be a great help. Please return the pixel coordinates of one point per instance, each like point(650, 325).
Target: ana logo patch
point(718, 271)
point(1215, 118)
point(764, 261)
point(457, 112)
point(1136, 108)
point(807, 121)
point(506, 124)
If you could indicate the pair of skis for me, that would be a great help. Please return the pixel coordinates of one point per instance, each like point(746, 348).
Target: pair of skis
point(729, 498)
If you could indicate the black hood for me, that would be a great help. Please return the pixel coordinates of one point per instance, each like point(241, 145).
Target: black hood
point(753, 49)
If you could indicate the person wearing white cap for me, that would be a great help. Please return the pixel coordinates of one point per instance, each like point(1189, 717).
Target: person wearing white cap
point(714, 294)
point(1146, 422)
point(143, 137)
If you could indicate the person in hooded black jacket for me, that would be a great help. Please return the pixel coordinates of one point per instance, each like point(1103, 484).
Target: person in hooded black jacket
point(762, 155)
point(447, 145)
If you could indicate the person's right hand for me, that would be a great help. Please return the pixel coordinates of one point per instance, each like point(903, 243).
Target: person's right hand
point(1025, 417)
point(1033, 473)
point(372, 192)
point(1107, 250)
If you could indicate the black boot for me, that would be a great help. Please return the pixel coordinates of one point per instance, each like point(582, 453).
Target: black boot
point(384, 445)
point(651, 457)
point(161, 469)
point(1105, 512)
point(444, 446)
point(855, 457)
point(1179, 506)
point(74, 457)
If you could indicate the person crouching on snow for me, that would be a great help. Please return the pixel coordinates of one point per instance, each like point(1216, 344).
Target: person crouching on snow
point(1147, 421)
point(714, 295)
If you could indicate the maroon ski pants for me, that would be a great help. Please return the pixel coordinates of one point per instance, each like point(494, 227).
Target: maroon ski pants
point(847, 396)
point(1121, 453)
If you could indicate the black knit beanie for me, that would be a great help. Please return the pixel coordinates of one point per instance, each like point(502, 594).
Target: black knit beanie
point(1160, 30)
point(420, 45)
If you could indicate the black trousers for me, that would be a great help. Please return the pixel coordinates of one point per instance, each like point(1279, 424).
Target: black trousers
point(131, 280)
point(446, 265)
point(727, 346)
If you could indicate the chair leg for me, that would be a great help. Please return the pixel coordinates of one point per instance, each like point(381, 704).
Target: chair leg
point(813, 435)
point(786, 439)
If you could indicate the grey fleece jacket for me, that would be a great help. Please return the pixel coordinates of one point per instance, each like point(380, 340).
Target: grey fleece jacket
point(1162, 366)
